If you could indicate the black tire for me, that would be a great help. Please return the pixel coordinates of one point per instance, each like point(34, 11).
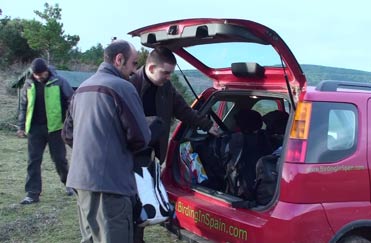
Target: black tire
point(354, 239)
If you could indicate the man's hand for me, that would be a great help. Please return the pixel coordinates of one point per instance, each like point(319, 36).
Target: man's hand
point(21, 134)
point(215, 131)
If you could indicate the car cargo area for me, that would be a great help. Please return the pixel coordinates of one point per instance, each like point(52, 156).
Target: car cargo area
point(253, 125)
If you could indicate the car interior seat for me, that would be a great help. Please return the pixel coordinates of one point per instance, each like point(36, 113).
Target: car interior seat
point(275, 122)
point(246, 147)
point(248, 121)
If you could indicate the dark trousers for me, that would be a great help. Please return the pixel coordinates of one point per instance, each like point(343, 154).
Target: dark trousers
point(105, 217)
point(138, 234)
point(38, 137)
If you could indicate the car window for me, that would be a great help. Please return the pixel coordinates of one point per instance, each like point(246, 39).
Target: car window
point(221, 55)
point(341, 129)
point(265, 106)
point(332, 132)
point(226, 109)
point(222, 108)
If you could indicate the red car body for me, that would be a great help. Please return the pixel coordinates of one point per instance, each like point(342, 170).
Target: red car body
point(322, 193)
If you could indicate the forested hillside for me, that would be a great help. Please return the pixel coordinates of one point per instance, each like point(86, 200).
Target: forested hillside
point(316, 73)
point(313, 73)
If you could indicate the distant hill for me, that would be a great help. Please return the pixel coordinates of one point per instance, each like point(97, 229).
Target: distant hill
point(313, 73)
point(200, 82)
point(316, 73)
point(197, 79)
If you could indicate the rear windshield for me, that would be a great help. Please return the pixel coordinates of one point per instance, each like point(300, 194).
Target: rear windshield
point(332, 132)
point(222, 55)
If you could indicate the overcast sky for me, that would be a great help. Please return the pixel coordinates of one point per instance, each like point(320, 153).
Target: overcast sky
point(331, 33)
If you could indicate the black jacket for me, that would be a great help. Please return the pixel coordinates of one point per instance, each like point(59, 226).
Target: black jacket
point(169, 104)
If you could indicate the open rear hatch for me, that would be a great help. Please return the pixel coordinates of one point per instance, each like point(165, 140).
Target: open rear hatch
point(184, 36)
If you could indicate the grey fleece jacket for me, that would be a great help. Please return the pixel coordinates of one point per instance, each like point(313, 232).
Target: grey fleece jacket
point(105, 124)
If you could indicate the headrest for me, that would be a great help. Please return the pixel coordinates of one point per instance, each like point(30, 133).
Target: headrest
point(247, 69)
point(276, 121)
point(248, 120)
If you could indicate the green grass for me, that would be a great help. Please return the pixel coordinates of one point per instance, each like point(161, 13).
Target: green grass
point(54, 218)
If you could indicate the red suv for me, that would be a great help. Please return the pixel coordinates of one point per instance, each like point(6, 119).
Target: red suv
point(292, 164)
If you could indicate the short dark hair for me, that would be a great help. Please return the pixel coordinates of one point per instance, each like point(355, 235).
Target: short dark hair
point(161, 55)
point(115, 48)
point(39, 65)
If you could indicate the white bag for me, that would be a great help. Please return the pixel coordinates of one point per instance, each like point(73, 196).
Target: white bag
point(155, 206)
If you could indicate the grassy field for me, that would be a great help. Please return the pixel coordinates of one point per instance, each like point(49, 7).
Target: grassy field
point(54, 218)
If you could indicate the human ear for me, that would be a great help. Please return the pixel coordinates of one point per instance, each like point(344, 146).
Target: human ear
point(151, 67)
point(120, 60)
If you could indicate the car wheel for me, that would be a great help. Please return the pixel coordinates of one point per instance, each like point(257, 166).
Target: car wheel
point(354, 239)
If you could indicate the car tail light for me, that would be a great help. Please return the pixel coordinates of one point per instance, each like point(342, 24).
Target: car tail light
point(297, 144)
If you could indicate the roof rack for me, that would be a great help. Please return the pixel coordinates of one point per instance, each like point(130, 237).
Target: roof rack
point(335, 85)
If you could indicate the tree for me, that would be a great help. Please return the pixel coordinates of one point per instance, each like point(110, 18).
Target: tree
point(94, 55)
point(49, 37)
point(13, 47)
point(142, 56)
point(182, 89)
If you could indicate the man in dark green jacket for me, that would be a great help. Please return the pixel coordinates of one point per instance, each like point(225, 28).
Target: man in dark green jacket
point(43, 105)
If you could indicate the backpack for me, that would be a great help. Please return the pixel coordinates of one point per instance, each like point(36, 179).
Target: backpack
point(265, 184)
point(213, 155)
point(245, 150)
point(266, 179)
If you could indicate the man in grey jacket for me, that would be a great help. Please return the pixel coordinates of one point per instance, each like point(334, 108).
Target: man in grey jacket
point(105, 126)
